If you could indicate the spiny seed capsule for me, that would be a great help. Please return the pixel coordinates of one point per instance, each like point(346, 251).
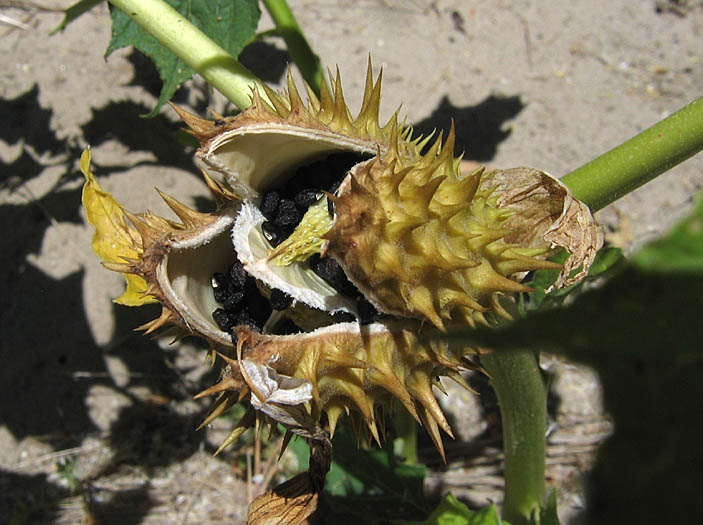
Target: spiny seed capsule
point(411, 235)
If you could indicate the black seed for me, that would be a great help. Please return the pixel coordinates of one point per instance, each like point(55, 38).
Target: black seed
point(234, 337)
point(269, 204)
point(306, 198)
point(257, 305)
point(287, 216)
point(237, 275)
point(330, 207)
point(222, 319)
point(367, 312)
point(232, 301)
point(279, 299)
point(219, 122)
point(242, 302)
point(219, 286)
point(329, 270)
point(273, 233)
point(244, 318)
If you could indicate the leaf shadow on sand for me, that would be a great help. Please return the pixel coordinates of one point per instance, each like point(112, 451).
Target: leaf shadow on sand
point(479, 128)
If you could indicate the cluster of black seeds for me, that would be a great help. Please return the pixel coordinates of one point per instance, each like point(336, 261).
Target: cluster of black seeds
point(242, 303)
point(284, 208)
point(237, 292)
point(328, 269)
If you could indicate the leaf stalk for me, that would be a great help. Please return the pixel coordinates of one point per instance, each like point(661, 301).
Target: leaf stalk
point(195, 48)
point(307, 61)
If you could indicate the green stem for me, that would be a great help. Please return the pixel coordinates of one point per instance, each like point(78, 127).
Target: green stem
point(194, 47)
point(640, 159)
point(522, 395)
point(406, 432)
point(299, 49)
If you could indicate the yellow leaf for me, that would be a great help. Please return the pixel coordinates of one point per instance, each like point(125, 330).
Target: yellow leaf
point(114, 240)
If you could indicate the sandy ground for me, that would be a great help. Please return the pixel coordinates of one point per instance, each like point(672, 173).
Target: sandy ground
point(534, 83)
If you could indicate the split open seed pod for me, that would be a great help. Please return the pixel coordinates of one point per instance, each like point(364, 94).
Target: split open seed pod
point(391, 240)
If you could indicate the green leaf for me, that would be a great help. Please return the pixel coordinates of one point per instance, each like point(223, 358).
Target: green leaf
point(368, 483)
point(230, 23)
point(451, 511)
point(606, 260)
point(74, 12)
point(680, 252)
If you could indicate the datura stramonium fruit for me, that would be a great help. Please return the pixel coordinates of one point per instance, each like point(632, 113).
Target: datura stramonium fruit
point(337, 246)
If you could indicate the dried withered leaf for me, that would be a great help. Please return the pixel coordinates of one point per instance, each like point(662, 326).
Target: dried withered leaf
point(578, 233)
point(291, 503)
point(294, 501)
point(280, 397)
point(114, 241)
point(547, 212)
point(275, 387)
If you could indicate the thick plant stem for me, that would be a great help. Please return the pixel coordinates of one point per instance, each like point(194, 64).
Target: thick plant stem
point(640, 159)
point(194, 47)
point(299, 49)
point(522, 395)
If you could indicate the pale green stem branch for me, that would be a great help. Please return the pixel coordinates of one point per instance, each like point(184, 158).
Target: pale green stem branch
point(194, 47)
point(640, 159)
